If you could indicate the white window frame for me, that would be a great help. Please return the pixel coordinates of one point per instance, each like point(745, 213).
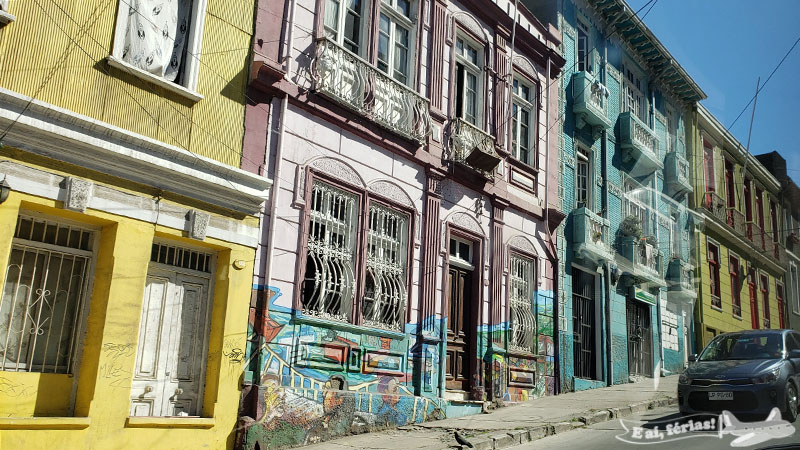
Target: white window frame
point(455, 259)
point(341, 18)
point(584, 157)
point(5, 16)
point(81, 316)
point(642, 210)
point(188, 86)
point(520, 104)
point(633, 86)
point(397, 19)
point(472, 69)
point(525, 303)
point(587, 57)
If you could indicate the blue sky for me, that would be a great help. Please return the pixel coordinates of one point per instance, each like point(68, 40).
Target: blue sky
point(725, 45)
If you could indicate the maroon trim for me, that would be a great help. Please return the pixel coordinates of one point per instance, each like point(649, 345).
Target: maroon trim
point(438, 42)
point(319, 19)
point(365, 199)
point(502, 110)
point(516, 165)
point(496, 277)
point(477, 298)
point(430, 251)
point(256, 130)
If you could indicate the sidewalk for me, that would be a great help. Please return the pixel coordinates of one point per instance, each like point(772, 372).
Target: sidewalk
point(531, 420)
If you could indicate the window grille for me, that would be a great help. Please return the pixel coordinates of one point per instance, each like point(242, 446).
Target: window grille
point(385, 284)
point(175, 256)
point(328, 287)
point(522, 336)
point(43, 296)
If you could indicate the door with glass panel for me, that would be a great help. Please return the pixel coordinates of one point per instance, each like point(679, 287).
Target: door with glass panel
point(461, 317)
point(169, 374)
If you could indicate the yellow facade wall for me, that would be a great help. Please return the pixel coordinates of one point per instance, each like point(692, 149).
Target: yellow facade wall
point(56, 51)
point(722, 320)
point(35, 406)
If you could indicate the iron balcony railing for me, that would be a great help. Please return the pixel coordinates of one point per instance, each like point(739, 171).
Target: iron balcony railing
point(590, 236)
point(736, 221)
point(590, 101)
point(472, 146)
point(361, 87)
point(715, 204)
point(640, 141)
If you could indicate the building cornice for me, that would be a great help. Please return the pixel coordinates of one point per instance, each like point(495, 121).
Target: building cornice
point(48, 130)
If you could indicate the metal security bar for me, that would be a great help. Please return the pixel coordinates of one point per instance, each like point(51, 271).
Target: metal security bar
point(385, 290)
point(583, 315)
point(43, 296)
point(328, 286)
point(175, 256)
point(522, 336)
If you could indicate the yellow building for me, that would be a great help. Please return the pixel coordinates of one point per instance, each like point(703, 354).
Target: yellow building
point(127, 227)
point(740, 259)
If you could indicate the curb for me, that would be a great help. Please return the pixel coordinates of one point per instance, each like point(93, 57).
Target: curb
point(510, 438)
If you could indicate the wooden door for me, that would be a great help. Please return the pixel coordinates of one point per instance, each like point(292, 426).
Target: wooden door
point(171, 353)
point(460, 330)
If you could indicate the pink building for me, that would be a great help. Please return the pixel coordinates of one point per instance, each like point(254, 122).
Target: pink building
point(407, 265)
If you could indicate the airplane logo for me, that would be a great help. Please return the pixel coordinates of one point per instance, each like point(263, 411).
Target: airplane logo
point(754, 433)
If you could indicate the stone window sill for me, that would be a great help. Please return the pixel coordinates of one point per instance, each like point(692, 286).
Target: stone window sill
point(44, 423)
point(170, 422)
point(189, 94)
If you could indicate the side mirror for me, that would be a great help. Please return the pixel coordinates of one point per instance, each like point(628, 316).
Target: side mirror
point(693, 358)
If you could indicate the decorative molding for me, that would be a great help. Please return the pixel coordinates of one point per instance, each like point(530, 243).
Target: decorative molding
point(299, 199)
point(614, 189)
point(337, 169)
point(126, 204)
point(198, 224)
point(522, 243)
point(569, 160)
point(392, 191)
point(525, 64)
point(435, 184)
point(78, 195)
point(469, 22)
point(53, 132)
point(467, 222)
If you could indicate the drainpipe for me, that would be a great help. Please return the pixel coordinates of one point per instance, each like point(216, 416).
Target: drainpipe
point(607, 265)
point(275, 190)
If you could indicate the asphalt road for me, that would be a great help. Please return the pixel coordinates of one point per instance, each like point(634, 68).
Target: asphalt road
point(606, 435)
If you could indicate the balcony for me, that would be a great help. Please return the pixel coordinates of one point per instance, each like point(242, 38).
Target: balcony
point(643, 260)
point(590, 236)
point(680, 280)
point(736, 221)
point(715, 205)
point(641, 144)
point(472, 146)
point(361, 87)
point(677, 174)
point(779, 252)
point(755, 235)
point(590, 102)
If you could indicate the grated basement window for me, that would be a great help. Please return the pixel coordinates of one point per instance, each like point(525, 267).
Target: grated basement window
point(175, 256)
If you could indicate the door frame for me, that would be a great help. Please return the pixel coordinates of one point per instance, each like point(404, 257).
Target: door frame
point(475, 364)
point(649, 363)
point(165, 269)
point(599, 322)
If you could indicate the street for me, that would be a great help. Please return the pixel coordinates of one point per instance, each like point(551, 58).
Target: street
point(605, 436)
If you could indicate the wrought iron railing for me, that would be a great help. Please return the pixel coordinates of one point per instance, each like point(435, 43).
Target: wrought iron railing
point(360, 86)
point(715, 204)
point(465, 139)
point(736, 221)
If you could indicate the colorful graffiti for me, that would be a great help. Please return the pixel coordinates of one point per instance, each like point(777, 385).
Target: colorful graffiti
point(309, 380)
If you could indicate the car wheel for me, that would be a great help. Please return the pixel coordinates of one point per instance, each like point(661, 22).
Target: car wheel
point(791, 402)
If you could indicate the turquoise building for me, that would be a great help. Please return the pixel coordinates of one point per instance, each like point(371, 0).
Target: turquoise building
point(627, 283)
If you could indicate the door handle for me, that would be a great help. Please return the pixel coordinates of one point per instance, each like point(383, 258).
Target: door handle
point(178, 392)
point(147, 389)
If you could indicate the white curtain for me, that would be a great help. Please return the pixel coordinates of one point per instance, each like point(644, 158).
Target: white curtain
point(156, 34)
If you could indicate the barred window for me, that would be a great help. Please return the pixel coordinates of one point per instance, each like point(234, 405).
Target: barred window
point(43, 296)
point(522, 335)
point(332, 275)
point(385, 279)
